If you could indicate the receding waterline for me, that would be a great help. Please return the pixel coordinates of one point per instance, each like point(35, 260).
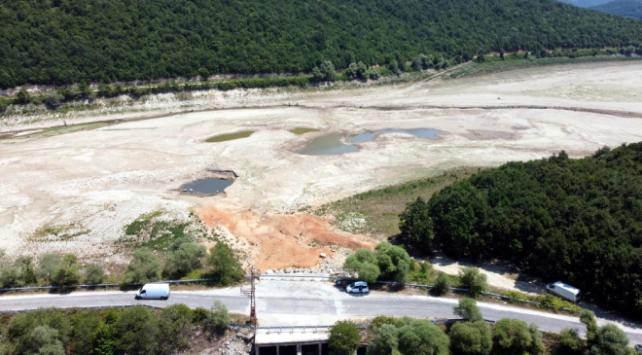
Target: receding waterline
point(337, 143)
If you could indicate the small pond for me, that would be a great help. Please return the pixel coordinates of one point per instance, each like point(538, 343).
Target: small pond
point(206, 186)
point(337, 143)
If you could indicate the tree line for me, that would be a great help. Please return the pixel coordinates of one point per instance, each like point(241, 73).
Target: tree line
point(71, 41)
point(557, 218)
point(472, 335)
point(134, 330)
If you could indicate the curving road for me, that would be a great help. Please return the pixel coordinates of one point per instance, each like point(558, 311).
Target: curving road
point(289, 303)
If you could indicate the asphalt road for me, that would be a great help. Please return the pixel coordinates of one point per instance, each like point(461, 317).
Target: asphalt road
point(304, 303)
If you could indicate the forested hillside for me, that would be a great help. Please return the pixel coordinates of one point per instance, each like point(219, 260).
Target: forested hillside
point(578, 221)
point(64, 41)
point(627, 8)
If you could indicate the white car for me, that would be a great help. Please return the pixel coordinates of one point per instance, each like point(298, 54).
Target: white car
point(358, 287)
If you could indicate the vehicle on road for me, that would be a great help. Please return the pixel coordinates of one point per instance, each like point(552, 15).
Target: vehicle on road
point(156, 291)
point(359, 287)
point(565, 291)
point(638, 348)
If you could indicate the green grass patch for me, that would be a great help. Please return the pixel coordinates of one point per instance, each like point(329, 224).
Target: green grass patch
point(377, 211)
point(141, 223)
point(302, 130)
point(229, 136)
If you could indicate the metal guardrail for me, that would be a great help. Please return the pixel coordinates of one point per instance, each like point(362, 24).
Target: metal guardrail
point(102, 285)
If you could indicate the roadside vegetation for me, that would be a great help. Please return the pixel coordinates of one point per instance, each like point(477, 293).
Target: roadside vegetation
point(472, 335)
point(162, 250)
point(134, 330)
point(557, 218)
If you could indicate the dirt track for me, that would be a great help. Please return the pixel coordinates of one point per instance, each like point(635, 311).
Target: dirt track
point(99, 180)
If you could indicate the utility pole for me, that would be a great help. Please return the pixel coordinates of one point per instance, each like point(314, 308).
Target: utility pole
point(251, 294)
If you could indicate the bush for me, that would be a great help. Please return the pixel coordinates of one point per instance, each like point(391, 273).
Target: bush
point(471, 338)
point(182, 258)
point(609, 340)
point(86, 330)
point(513, 336)
point(224, 266)
point(344, 338)
point(59, 270)
point(422, 337)
point(385, 341)
point(217, 320)
point(363, 263)
point(137, 331)
point(357, 71)
point(474, 281)
point(175, 324)
point(394, 262)
point(468, 310)
point(45, 340)
point(143, 268)
point(570, 343)
point(93, 274)
point(442, 285)
point(20, 328)
point(324, 72)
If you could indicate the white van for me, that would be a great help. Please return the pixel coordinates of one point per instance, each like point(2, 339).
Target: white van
point(565, 291)
point(159, 291)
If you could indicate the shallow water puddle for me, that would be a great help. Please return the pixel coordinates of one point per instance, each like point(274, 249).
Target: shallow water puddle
point(337, 143)
point(206, 187)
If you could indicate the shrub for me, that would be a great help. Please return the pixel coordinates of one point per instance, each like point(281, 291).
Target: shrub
point(474, 280)
point(224, 266)
point(137, 331)
point(86, 330)
point(59, 270)
point(513, 336)
point(175, 324)
point(471, 338)
point(19, 330)
point(45, 340)
point(570, 343)
point(609, 340)
point(183, 257)
point(93, 274)
point(385, 341)
point(324, 72)
point(442, 285)
point(144, 267)
point(468, 310)
point(344, 338)
point(364, 264)
point(217, 320)
point(394, 262)
point(420, 337)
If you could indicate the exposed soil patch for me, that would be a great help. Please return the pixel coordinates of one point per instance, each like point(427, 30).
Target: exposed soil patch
point(487, 134)
point(283, 241)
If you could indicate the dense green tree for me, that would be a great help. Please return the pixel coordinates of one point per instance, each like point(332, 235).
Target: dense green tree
point(44, 340)
point(324, 72)
point(609, 340)
point(471, 338)
point(421, 337)
point(144, 267)
point(474, 280)
point(137, 331)
point(416, 225)
point(558, 218)
point(20, 328)
point(67, 272)
point(224, 265)
point(468, 310)
point(385, 341)
point(344, 338)
point(394, 262)
point(363, 263)
point(86, 327)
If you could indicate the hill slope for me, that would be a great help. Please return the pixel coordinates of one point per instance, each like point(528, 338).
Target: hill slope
point(578, 221)
point(626, 8)
point(65, 41)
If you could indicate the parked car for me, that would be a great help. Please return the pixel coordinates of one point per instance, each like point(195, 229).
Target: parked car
point(157, 291)
point(638, 348)
point(359, 287)
point(565, 291)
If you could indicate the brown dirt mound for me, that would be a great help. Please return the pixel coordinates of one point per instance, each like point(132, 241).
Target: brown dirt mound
point(283, 241)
